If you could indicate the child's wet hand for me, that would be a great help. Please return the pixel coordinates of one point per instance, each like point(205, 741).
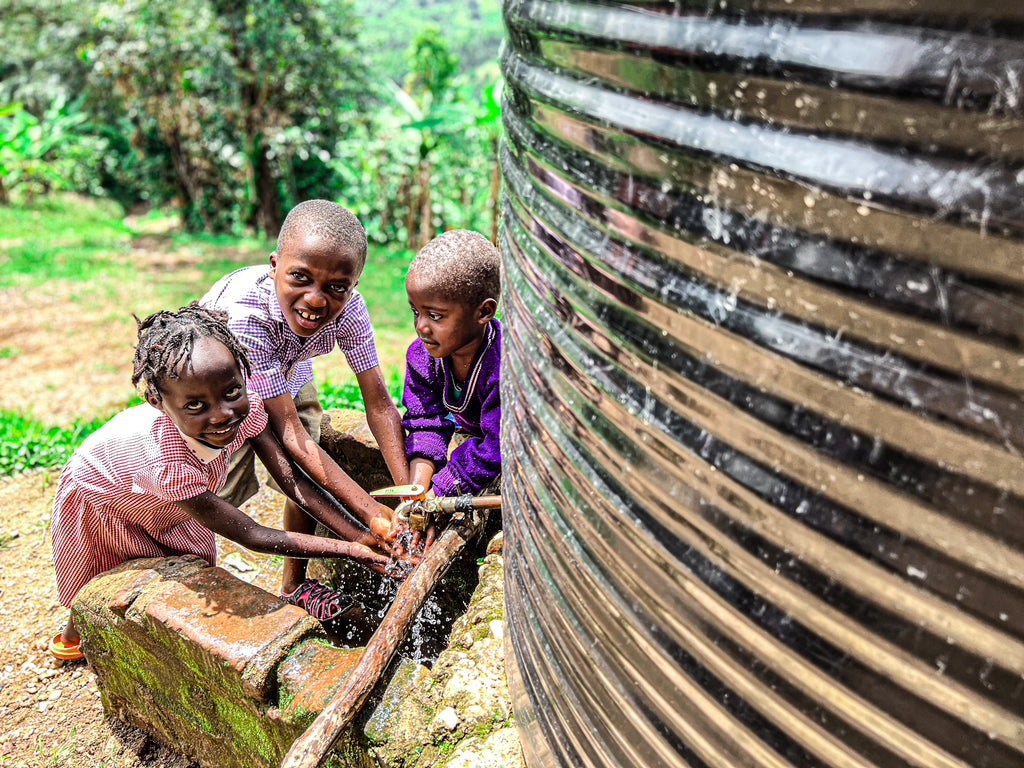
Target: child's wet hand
point(428, 538)
point(401, 536)
point(394, 570)
point(369, 557)
point(372, 541)
point(382, 527)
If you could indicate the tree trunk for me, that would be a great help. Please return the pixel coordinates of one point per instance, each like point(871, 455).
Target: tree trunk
point(410, 210)
point(185, 180)
point(385, 209)
point(268, 206)
point(426, 214)
point(494, 197)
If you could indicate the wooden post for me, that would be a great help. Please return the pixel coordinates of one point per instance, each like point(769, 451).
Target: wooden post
point(309, 750)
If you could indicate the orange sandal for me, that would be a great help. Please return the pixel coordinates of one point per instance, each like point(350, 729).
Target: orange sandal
point(62, 651)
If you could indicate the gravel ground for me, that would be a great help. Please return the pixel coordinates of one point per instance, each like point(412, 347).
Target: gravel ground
point(50, 711)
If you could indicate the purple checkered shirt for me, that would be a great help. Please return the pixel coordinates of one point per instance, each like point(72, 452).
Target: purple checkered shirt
point(281, 360)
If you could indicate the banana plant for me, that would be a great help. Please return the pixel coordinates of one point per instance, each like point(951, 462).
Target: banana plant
point(30, 148)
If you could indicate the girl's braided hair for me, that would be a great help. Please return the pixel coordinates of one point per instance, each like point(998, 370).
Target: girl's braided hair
point(166, 341)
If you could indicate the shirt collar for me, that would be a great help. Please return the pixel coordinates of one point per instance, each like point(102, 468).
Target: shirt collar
point(203, 452)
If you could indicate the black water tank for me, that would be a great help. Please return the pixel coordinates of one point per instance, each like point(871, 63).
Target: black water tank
point(763, 315)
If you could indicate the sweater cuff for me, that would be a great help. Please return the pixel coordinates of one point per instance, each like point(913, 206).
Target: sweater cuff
point(443, 483)
point(426, 445)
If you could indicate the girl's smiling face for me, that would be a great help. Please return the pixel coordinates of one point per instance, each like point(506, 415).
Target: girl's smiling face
point(208, 401)
point(445, 326)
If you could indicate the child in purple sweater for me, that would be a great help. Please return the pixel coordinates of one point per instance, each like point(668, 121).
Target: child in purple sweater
point(452, 372)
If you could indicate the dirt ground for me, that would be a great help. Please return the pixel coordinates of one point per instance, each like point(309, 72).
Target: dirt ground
point(50, 712)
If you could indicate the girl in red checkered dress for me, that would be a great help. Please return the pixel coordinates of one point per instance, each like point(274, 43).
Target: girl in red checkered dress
point(144, 484)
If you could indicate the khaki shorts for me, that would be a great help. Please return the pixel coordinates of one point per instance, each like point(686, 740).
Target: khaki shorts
point(241, 484)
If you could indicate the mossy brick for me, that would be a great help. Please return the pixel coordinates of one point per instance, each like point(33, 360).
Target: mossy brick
point(231, 630)
point(309, 677)
point(176, 657)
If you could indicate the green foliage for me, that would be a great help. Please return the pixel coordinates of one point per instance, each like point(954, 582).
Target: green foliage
point(40, 42)
point(234, 91)
point(427, 160)
point(432, 67)
point(235, 112)
point(38, 155)
point(29, 444)
point(472, 28)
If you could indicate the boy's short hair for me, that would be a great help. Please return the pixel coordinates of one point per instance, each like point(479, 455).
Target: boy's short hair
point(328, 220)
point(461, 265)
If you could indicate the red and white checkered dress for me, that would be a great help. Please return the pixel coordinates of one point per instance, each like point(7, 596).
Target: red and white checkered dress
point(115, 497)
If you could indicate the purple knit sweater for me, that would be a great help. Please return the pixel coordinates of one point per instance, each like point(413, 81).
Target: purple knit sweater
point(431, 405)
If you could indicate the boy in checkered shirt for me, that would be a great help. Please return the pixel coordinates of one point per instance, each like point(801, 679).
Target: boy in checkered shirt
point(304, 306)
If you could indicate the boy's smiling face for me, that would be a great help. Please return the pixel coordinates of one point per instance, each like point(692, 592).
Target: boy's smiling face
point(313, 280)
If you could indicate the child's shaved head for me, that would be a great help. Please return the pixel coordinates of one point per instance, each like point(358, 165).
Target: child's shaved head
point(327, 220)
point(461, 266)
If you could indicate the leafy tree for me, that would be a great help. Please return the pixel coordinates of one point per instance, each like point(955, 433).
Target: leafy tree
point(472, 30)
point(39, 45)
point(432, 67)
point(236, 111)
point(221, 84)
point(441, 109)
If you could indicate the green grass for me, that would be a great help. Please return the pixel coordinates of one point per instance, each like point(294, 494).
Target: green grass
point(26, 443)
point(84, 246)
point(61, 238)
point(345, 394)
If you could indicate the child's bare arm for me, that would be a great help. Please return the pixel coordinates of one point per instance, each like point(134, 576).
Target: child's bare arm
point(307, 495)
point(230, 522)
point(384, 421)
point(315, 462)
point(421, 471)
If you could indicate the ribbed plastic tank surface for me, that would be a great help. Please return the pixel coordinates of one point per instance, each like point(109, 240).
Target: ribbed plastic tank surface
point(763, 431)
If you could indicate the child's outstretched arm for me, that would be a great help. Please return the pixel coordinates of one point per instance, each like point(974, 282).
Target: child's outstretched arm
point(384, 421)
point(320, 467)
point(230, 522)
point(308, 495)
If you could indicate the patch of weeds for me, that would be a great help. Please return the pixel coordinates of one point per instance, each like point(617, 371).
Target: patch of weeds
point(347, 395)
point(5, 353)
point(29, 444)
point(58, 755)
